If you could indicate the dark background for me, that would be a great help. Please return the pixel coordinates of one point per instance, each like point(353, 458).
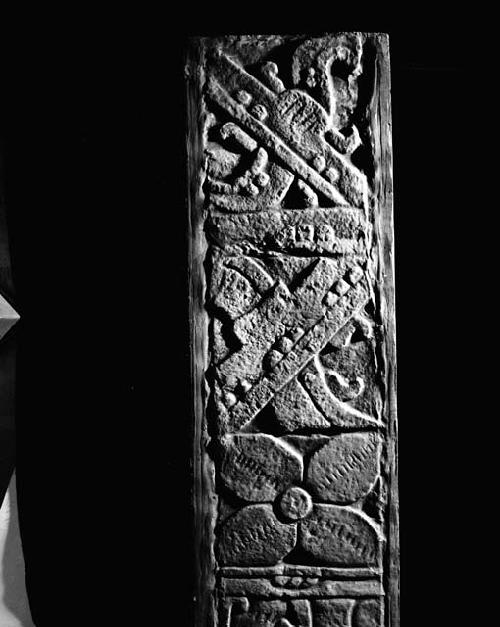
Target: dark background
point(92, 131)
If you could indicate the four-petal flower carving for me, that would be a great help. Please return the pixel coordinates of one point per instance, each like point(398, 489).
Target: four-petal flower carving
point(291, 500)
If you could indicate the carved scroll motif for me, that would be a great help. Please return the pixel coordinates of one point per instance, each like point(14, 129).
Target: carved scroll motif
point(297, 418)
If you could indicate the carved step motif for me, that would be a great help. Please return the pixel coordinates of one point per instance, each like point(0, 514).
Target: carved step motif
point(240, 612)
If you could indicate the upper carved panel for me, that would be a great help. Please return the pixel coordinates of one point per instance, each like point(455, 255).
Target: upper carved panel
point(283, 125)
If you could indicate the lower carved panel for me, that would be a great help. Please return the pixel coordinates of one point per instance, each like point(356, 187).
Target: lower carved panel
point(245, 611)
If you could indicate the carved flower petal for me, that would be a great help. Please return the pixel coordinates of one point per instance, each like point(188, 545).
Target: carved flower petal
point(255, 537)
point(345, 469)
point(258, 467)
point(339, 536)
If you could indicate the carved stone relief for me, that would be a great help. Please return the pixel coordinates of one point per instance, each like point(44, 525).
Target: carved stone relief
point(293, 336)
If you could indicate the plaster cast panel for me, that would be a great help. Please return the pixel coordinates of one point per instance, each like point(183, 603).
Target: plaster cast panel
point(289, 159)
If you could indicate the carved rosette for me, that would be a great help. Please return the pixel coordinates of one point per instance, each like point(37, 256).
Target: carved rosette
point(289, 508)
point(297, 410)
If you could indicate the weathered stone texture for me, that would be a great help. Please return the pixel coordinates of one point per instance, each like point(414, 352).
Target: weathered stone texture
point(293, 331)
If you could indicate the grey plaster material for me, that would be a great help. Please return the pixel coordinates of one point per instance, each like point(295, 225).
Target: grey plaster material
point(292, 316)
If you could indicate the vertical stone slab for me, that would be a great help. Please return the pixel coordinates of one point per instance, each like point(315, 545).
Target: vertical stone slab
point(293, 333)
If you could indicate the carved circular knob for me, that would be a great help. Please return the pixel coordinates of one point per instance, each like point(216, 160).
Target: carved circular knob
point(295, 503)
